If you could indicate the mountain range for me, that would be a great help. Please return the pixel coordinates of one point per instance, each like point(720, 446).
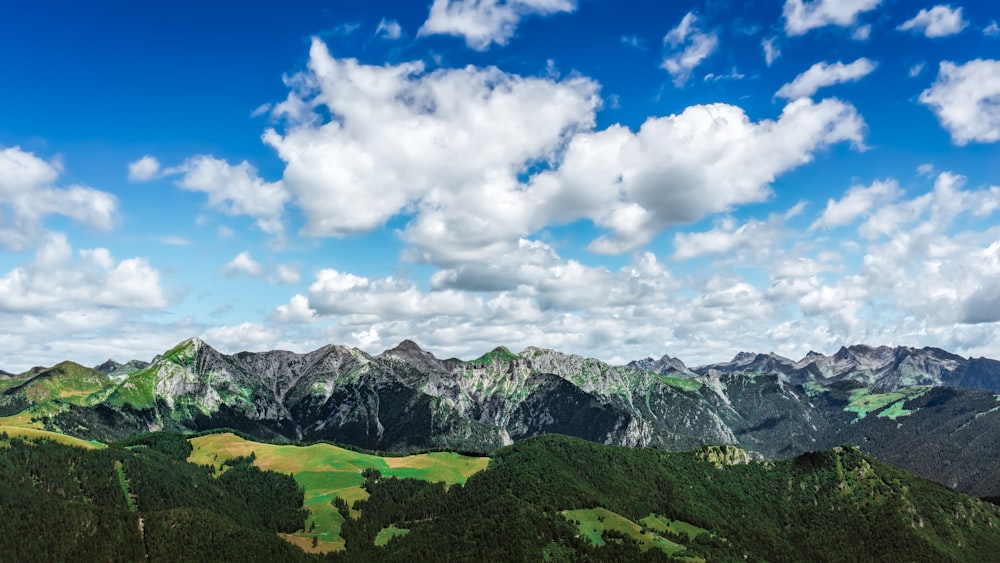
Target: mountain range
point(925, 410)
point(883, 368)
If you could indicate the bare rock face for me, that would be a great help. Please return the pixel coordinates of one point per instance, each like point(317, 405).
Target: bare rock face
point(722, 456)
point(666, 365)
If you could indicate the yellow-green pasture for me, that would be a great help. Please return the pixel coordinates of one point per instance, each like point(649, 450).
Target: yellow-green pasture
point(326, 471)
point(662, 524)
point(592, 522)
point(863, 401)
point(389, 532)
point(21, 426)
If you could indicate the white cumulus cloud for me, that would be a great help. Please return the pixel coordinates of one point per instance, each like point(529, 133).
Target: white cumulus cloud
point(804, 15)
point(729, 239)
point(858, 201)
point(235, 190)
point(296, 311)
point(446, 145)
point(286, 273)
point(822, 74)
point(939, 21)
point(448, 151)
point(144, 169)
point(680, 168)
point(486, 22)
point(246, 336)
point(966, 100)
point(243, 265)
point(689, 46)
point(28, 195)
point(388, 29)
point(56, 281)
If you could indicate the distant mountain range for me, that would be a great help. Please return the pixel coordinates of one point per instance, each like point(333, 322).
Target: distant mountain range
point(928, 411)
point(882, 368)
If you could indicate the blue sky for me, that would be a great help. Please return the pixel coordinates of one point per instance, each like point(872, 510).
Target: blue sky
point(614, 179)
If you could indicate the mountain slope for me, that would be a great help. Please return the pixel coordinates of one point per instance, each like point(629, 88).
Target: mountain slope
point(405, 399)
point(64, 503)
point(834, 505)
point(66, 382)
point(550, 497)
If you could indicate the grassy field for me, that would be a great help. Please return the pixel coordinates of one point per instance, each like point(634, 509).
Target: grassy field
point(863, 401)
point(35, 433)
point(386, 534)
point(21, 425)
point(690, 385)
point(21, 420)
point(593, 521)
point(326, 471)
point(662, 525)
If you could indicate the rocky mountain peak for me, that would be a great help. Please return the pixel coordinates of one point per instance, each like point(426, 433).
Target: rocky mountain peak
point(410, 351)
point(108, 366)
point(407, 346)
point(536, 351)
point(843, 353)
point(744, 357)
point(666, 365)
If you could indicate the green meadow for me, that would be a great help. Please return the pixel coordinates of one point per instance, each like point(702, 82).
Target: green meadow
point(389, 532)
point(326, 471)
point(21, 426)
point(661, 525)
point(863, 401)
point(593, 522)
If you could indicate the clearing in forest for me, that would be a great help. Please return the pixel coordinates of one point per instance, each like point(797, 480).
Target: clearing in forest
point(326, 471)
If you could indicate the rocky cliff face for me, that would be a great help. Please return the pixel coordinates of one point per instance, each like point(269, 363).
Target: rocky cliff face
point(407, 399)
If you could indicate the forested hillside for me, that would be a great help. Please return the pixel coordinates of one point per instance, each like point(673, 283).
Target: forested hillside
point(712, 504)
point(551, 497)
point(63, 503)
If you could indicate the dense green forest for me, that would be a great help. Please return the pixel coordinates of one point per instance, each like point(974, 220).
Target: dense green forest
point(839, 505)
point(548, 498)
point(62, 503)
